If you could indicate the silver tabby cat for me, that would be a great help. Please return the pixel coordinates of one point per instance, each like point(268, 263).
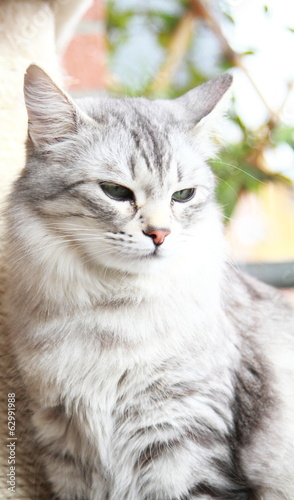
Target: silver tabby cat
point(155, 370)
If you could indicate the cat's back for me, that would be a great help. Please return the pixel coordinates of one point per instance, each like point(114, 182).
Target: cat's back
point(262, 317)
point(256, 308)
point(264, 321)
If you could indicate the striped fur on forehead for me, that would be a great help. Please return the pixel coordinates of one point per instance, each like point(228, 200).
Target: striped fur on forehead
point(138, 124)
point(152, 144)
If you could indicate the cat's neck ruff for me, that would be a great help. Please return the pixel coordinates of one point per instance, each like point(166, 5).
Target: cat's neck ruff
point(67, 283)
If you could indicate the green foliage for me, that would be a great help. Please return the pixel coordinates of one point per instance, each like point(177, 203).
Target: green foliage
point(235, 175)
point(283, 134)
point(117, 24)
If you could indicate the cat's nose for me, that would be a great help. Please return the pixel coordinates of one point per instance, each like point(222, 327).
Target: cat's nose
point(158, 235)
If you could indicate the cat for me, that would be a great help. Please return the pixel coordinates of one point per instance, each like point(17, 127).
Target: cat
point(155, 369)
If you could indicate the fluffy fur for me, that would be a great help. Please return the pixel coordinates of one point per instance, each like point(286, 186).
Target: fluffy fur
point(155, 372)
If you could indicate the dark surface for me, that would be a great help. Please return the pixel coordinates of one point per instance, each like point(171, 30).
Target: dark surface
point(278, 274)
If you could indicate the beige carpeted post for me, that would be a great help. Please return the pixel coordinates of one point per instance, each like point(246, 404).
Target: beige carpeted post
point(30, 30)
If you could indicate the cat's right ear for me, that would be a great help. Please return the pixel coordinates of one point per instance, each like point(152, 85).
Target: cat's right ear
point(53, 117)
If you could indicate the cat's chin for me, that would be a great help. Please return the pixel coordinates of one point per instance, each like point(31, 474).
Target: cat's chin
point(146, 264)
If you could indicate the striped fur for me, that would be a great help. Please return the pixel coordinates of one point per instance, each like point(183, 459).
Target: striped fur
point(154, 372)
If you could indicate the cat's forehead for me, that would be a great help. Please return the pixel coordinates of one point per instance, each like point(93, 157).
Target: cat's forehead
point(126, 110)
point(144, 140)
point(148, 125)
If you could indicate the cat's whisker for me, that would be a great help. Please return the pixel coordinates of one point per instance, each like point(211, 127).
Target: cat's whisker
point(229, 185)
point(87, 232)
point(70, 227)
point(93, 259)
point(69, 232)
point(228, 218)
point(241, 170)
point(52, 244)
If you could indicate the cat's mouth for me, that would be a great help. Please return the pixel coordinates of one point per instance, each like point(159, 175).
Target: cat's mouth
point(156, 254)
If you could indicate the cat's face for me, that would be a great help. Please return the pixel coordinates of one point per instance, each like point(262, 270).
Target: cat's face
point(123, 182)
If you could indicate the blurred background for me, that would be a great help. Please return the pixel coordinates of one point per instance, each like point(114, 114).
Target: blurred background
point(166, 47)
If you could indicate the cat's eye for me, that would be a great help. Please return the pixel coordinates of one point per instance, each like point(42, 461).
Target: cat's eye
point(117, 192)
point(184, 195)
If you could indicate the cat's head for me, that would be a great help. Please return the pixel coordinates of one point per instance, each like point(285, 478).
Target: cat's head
point(125, 181)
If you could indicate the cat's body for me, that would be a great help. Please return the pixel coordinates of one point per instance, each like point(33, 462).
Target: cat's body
point(156, 371)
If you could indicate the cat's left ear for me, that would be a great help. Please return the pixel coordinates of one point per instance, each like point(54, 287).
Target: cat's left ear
point(201, 101)
point(53, 116)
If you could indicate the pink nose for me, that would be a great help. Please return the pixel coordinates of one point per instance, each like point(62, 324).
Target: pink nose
point(158, 235)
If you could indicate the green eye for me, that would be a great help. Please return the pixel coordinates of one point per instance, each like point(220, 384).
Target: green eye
point(183, 195)
point(117, 192)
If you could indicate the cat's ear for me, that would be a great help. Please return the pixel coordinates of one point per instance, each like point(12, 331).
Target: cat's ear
point(200, 113)
point(52, 114)
point(201, 101)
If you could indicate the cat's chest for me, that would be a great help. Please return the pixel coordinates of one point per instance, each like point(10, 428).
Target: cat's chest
point(117, 353)
point(129, 402)
point(137, 378)
point(163, 320)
